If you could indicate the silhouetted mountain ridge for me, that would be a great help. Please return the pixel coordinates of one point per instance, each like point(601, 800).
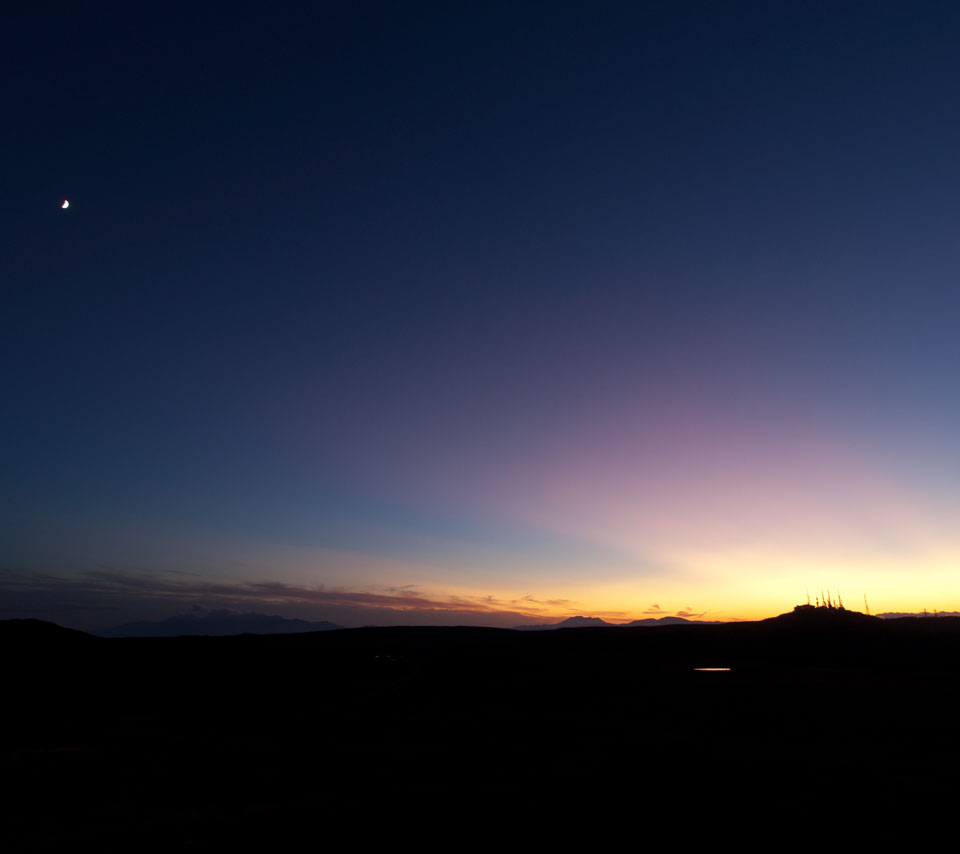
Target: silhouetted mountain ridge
point(809, 616)
point(40, 633)
point(584, 622)
point(218, 624)
point(577, 622)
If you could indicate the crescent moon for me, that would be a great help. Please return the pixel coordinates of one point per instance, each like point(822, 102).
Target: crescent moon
point(65, 204)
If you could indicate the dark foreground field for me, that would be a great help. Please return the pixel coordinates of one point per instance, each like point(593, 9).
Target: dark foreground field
point(442, 736)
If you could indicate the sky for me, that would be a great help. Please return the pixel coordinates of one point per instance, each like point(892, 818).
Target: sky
point(479, 313)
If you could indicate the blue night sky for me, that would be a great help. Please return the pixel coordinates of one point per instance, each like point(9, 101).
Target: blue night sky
point(479, 313)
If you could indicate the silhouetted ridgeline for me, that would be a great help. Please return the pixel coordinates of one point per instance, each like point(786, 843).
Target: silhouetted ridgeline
point(208, 741)
point(38, 634)
point(584, 622)
point(216, 623)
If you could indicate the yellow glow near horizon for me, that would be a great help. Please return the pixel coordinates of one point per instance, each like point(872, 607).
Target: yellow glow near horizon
point(750, 585)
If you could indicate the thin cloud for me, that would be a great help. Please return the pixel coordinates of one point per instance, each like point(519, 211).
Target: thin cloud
point(689, 614)
point(112, 586)
point(133, 596)
point(613, 615)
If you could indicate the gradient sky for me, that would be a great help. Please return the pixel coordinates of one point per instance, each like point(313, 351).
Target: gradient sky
point(487, 313)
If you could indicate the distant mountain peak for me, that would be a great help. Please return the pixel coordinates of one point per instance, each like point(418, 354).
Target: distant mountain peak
point(578, 621)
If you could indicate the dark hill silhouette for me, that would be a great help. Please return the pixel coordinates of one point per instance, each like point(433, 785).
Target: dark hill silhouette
point(203, 741)
point(578, 622)
point(217, 624)
point(807, 616)
point(671, 621)
point(40, 633)
point(584, 622)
